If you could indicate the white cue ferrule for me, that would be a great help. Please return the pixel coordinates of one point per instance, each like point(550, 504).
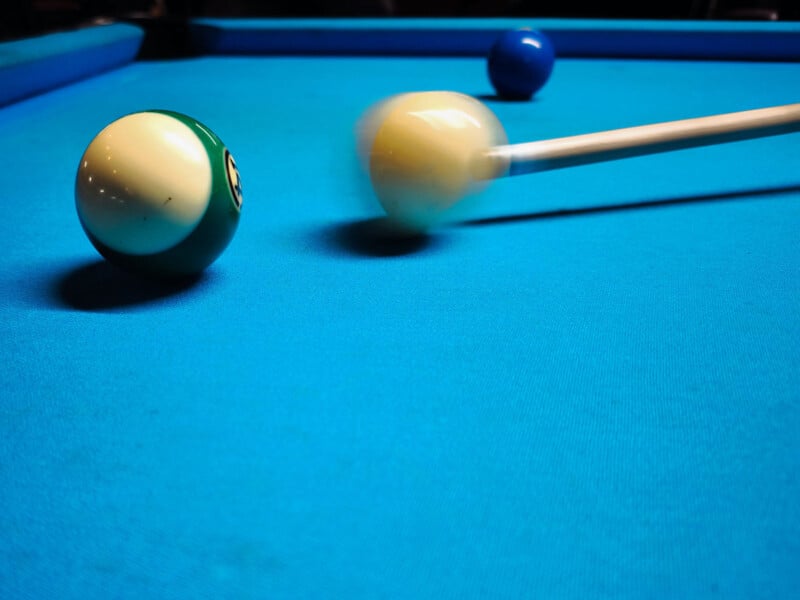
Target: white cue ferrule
point(519, 159)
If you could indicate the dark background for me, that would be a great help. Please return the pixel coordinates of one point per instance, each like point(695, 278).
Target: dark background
point(22, 18)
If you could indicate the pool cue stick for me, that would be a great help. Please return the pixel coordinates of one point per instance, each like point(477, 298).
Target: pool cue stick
point(558, 153)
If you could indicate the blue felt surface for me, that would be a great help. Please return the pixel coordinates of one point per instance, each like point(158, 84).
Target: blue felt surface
point(602, 402)
point(34, 65)
point(728, 40)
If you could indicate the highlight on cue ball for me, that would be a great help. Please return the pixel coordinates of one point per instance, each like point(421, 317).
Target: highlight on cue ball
point(520, 62)
point(424, 153)
point(158, 193)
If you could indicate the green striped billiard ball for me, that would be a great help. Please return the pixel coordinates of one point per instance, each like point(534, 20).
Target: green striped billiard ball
point(158, 193)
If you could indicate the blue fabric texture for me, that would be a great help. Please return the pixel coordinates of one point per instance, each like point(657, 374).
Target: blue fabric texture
point(34, 65)
point(473, 37)
point(588, 387)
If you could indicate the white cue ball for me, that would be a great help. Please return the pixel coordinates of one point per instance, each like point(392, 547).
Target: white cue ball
point(424, 154)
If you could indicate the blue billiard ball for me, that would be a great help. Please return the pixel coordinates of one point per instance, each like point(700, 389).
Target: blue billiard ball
point(520, 63)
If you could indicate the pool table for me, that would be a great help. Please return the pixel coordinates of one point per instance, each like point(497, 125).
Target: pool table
point(587, 386)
